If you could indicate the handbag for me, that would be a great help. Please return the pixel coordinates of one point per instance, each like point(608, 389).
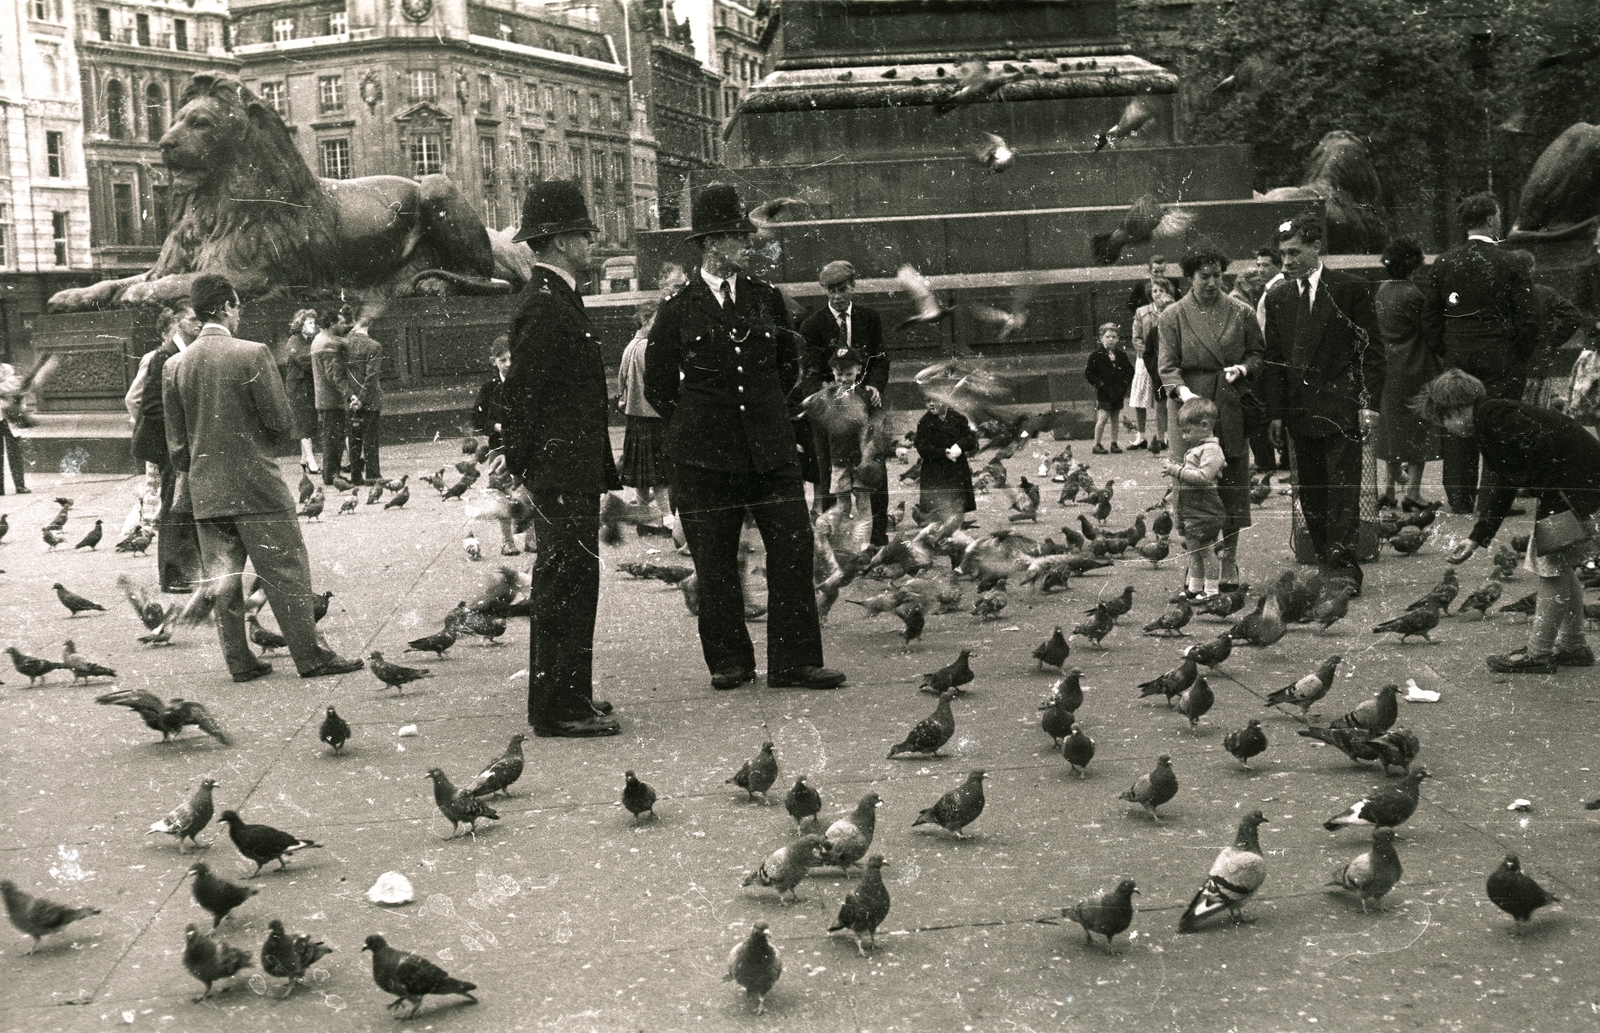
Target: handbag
point(1558, 530)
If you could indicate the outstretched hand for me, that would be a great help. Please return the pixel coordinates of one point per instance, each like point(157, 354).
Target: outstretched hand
point(1463, 551)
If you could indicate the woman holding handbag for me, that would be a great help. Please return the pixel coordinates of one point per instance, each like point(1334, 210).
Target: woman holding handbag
point(1553, 457)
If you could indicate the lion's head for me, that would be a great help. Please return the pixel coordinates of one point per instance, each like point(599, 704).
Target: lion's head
point(224, 137)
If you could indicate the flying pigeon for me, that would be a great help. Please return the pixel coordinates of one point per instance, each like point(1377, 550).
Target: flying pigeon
point(866, 906)
point(188, 818)
point(1154, 789)
point(1108, 914)
point(1236, 874)
point(458, 805)
point(1247, 742)
point(977, 82)
point(208, 958)
point(929, 310)
point(757, 774)
point(166, 718)
point(995, 154)
point(932, 732)
point(754, 964)
point(956, 809)
point(1511, 891)
point(1135, 117)
point(410, 976)
point(1373, 873)
point(37, 916)
point(263, 843)
point(1386, 807)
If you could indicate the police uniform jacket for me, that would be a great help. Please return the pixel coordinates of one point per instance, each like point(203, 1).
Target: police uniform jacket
point(725, 380)
point(555, 428)
point(1479, 311)
point(1321, 369)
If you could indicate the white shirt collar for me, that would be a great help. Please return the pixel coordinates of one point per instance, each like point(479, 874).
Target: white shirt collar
point(572, 281)
point(845, 315)
point(716, 282)
point(219, 326)
point(1483, 237)
point(1313, 279)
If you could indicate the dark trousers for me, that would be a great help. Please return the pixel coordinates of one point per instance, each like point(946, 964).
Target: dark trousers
point(364, 441)
point(273, 544)
point(11, 445)
point(334, 426)
point(566, 593)
point(1460, 455)
point(177, 540)
point(712, 505)
point(1266, 456)
point(1329, 490)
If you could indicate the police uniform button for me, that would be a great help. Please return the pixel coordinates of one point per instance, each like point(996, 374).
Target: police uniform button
point(738, 351)
point(739, 369)
point(741, 389)
point(741, 408)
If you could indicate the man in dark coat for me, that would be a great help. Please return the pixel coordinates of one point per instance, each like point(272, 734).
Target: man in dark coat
point(177, 542)
point(722, 367)
point(558, 443)
point(1480, 314)
point(843, 324)
point(1322, 381)
point(227, 419)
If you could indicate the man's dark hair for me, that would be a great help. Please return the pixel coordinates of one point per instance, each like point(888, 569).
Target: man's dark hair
point(1202, 256)
point(333, 314)
point(1401, 257)
point(1307, 227)
point(209, 295)
point(1476, 210)
point(1270, 254)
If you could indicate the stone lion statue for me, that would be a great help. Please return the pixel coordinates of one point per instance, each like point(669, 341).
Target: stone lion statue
point(1340, 174)
point(247, 206)
point(1561, 198)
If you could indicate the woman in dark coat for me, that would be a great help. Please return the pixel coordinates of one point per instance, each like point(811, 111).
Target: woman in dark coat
point(298, 383)
point(1552, 456)
point(946, 479)
point(1403, 436)
point(1210, 342)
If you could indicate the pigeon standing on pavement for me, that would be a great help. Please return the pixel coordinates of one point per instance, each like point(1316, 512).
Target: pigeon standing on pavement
point(802, 801)
point(1154, 789)
point(638, 797)
point(754, 964)
point(1247, 742)
point(1413, 622)
point(1078, 750)
point(334, 731)
point(785, 867)
point(850, 837)
point(458, 805)
point(74, 602)
point(1213, 652)
point(1511, 891)
point(502, 772)
point(289, 957)
point(757, 774)
point(1196, 701)
point(396, 676)
point(951, 676)
point(217, 895)
point(266, 638)
point(91, 540)
point(1061, 709)
point(956, 809)
point(1108, 914)
point(37, 916)
point(82, 667)
point(1173, 682)
point(410, 977)
point(1236, 874)
point(1173, 619)
point(1485, 596)
point(932, 732)
point(1309, 689)
point(263, 843)
point(1053, 652)
point(399, 499)
point(1375, 715)
point(1387, 807)
point(1373, 873)
point(208, 958)
point(915, 620)
point(33, 667)
point(866, 906)
point(1097, 627)
point(188, 818)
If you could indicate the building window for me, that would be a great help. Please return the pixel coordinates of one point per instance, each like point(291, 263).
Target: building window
point(58, 231)
point(427, 154)
point(619, 167)
point(5, 235)
point(573, 105)
point(50, 63)
point(594, 109)
point(125, 214)
point(550, 101)
point(275, 96)
point(116, 110)
point(102, 23)
point(486, 148)
point(602, 164)
point(141, 24)
point(338, 23)
point(485, 95)
point(55, 155)
point(282, 30)
point(330, 93)
point(535, 161)
point(424, 84)
point(336, 159)
point(616, 111)
point(727, 63)
point(180, 34)
point(45, 10)
point(530, 98)
point(580, 165)
point(155, 113)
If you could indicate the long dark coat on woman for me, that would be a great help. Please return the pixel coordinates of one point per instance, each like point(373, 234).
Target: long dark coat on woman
point(943, 477)
point(1409, 363)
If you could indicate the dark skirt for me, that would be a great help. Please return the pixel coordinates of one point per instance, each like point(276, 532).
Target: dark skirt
point(302, 403)
point(644, 453)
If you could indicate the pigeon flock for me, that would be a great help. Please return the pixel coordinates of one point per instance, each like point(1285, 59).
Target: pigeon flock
point(921, 577)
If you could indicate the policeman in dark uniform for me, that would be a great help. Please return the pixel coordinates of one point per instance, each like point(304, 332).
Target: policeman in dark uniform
point(843, 323)
point(721, 367)
point(557, 442)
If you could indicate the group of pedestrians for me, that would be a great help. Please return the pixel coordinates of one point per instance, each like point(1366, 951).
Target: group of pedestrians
point(333, 376)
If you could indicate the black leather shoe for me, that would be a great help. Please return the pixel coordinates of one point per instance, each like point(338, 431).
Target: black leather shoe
point(584, 728)
point(334, 665)
point(731, 677)
point(1413, 506)
point(258, 671)
point(806, 678)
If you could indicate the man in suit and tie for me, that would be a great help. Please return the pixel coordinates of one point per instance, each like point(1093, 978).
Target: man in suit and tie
point(227, 416)
point(844, 324)
point(1480, 314)
point(722, 367)
point(558, 443)
point(1322, 381)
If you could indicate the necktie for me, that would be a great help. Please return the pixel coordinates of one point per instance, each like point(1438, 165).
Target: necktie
point(1305, 296)
point(727, 295)
point(844, 330)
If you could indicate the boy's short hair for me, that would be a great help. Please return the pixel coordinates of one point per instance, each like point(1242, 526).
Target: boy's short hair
point(1271, 254)
point(1197, 411)
point(1101, 330)
point(500, 346)
point(210, 294)
point(1477, 209)
point(1451, 390)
